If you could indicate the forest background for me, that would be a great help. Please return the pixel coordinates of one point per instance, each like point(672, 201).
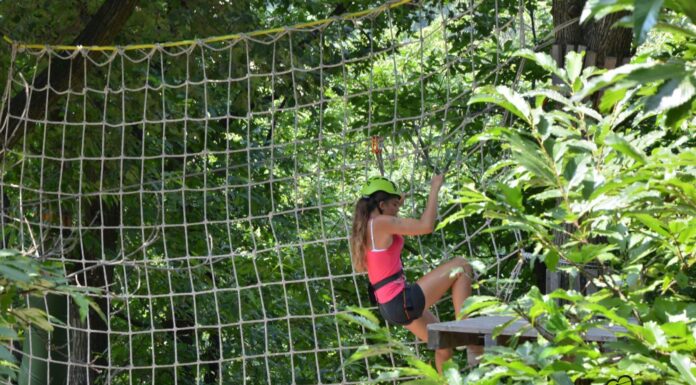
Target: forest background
point(612, 172)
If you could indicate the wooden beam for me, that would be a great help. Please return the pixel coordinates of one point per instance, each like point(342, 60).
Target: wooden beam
point(477, 330)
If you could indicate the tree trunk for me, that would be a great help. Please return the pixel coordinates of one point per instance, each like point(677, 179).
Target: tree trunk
point(606, 47)
point(64, 73)
point(88, 346)
point(598, 37)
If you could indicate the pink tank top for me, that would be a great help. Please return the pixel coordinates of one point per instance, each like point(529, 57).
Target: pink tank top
point(383, 263)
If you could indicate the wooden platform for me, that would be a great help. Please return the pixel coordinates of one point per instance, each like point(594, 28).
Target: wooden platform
point(479, 330)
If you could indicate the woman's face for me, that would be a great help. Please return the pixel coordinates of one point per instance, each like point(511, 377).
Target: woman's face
point(392, 206)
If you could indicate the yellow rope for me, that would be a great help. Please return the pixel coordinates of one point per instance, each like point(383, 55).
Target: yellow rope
point(215, 39)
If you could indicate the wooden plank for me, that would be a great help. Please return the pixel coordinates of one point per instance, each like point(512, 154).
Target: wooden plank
point(438, 339)
point(593, 271)
point(609, 62)
point(590, 59)
point(583, 49)
point(489, 341)
point(556, 54)
point(569, 48)
point(473, 331)
point(553, 280)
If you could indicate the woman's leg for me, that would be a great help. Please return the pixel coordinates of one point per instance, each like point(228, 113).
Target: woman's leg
point(435, 285)
point(419, 327)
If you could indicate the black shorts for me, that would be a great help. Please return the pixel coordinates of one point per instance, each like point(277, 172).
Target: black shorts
point(405, 307)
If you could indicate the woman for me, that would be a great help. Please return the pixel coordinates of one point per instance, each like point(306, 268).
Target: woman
point(377, 241)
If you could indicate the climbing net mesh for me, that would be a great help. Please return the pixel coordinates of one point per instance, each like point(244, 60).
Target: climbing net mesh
point(206, 189)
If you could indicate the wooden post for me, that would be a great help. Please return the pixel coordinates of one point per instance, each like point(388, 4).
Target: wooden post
point(590, 59)
point(557, 54)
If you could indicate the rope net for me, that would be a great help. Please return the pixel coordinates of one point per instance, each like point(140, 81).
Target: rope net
point(207, 189)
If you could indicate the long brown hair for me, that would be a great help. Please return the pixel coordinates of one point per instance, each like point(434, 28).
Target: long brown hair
point(358, 236)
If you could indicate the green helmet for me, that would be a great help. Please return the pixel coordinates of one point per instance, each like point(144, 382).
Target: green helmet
point(379, 183)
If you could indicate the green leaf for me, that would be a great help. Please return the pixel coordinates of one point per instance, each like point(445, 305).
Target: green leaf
point(561, 378)
point(478, 302)
point(584, 110)
point(598, 9)
point(36, 317)
point(589, 252)
point(369, 351)
point(500, 328)
point(653, 223)
point(492, 170)
point(686, 232)
point(644, 18)
point(8, 253)
point(527, 153)
point(676, 30)
point(13, 274)
point(573, 65)
point(512, 195)
point(632, 74)
point(547, 194)
point(516, 103)
point(451, 373)
point(498, 100)
point(521, 367)
point(685, 367)
point(656, 335)
point(550, 94)
point(364, 318)
point(7, 333)
point(620, 144)
point(672, 94)
point(544, 61)
point(580, 172)
point(556, 351)
point(610, 97)
point(582, 145)
point(422, 381)
point(676, 115)
point(564, 295)
point(551, 259)
point(425, 369)
point(5, 355)
point(650, 72)
point(82, 304)
point(687, 7)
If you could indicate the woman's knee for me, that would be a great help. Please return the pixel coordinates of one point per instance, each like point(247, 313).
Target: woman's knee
point(462, 266)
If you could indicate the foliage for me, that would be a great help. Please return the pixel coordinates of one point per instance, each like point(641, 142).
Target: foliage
point(616, 182)
point(382, 342)
point(23, 277)
point(600, 179)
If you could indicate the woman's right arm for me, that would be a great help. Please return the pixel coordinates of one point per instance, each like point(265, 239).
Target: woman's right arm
point(412, 226)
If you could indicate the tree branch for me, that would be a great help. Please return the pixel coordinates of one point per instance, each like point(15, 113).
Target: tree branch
point(62, 74)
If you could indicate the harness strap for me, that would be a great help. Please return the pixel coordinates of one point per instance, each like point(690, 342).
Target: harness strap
point(372, 234)
point(385, 281)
